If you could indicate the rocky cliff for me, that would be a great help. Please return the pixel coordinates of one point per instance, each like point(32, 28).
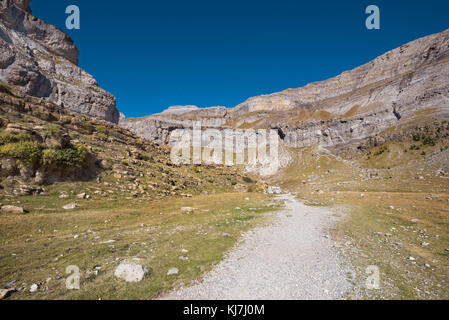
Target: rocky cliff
point(396, 90)
point(40, 60)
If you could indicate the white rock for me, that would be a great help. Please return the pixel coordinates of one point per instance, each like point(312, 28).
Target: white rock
point(187, 209)
point(70, 206)
point(130, 272)
point(11, 209)
point(172, 271)
point(34, 287)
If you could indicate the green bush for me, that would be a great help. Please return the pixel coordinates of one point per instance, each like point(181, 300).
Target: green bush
point(381, 151)
point(248, 180)
point(7, 137)
point(101, 129)
point(88, 127)
point(69, 157)
point(26, 151)
point(428, 141)
point(102, 136)
point(52, 130)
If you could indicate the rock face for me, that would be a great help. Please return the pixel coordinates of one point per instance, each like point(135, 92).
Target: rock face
point(41, 61)
point(397, 89)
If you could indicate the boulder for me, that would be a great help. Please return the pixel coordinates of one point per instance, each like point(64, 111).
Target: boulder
point(172, 271)
point(12, 209)
point(70, 206)
point(130, 272)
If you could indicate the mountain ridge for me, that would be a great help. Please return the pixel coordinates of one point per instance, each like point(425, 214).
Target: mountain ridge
point(395, 81)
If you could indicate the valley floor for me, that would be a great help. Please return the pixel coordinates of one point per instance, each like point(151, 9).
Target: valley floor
point(292, 258)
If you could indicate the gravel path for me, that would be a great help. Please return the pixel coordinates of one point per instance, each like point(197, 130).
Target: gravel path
point(289, 259)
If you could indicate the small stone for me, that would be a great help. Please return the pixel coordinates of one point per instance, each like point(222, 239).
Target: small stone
point(11, 284)
point(70, 206)
point(411, 258)
point(12, 209)
point(183, 258)
point(226, 235)
point(172, 271)
point(425, 244)
point(187, 210)
point(76, 236)
point(184, 251)
point(82, 195)
point(34, 287)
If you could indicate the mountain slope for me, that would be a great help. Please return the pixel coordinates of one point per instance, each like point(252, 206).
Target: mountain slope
point(397, 89)
point(41, 61)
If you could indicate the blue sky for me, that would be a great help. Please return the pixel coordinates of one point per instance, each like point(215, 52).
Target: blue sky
point(155, 54)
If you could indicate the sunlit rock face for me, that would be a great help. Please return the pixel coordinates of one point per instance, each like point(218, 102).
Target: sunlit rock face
point(405, 85)
point(40, 60)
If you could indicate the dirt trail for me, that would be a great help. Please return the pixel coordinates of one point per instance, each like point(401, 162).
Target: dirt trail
point(289, 259)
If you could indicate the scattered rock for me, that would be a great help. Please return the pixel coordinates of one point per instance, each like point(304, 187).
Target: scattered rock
point(34, 287)
point(11, 284)
point(70, 206)
point(82, 196)
point(183, 258)
point(12, 209)
point(187, 210)
point(411, 258)
point(226, 235)
point(105, 164)
point(172, 271)
point(130, 272)
point(274, 190)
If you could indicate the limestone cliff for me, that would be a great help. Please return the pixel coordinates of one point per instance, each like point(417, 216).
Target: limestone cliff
point(393, 91)
point(40, 60)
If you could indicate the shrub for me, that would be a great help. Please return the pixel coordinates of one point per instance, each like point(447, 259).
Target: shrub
point(7, 137)
point(101, 129)
point(87, 126)
point(70, 157)
point(66, 120)
point(52, 130)
point(102, 136)
point(381, 150)
point(248, 180)
point(428, 141)
point(26, 151)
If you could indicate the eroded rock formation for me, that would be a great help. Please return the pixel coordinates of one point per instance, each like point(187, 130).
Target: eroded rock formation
point(41, 61)
point(405, 85)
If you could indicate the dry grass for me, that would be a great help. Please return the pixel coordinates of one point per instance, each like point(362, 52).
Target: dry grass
point(41, 244)
point(395, 206)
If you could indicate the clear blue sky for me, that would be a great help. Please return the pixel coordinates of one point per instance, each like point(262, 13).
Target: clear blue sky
point(154, 54)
